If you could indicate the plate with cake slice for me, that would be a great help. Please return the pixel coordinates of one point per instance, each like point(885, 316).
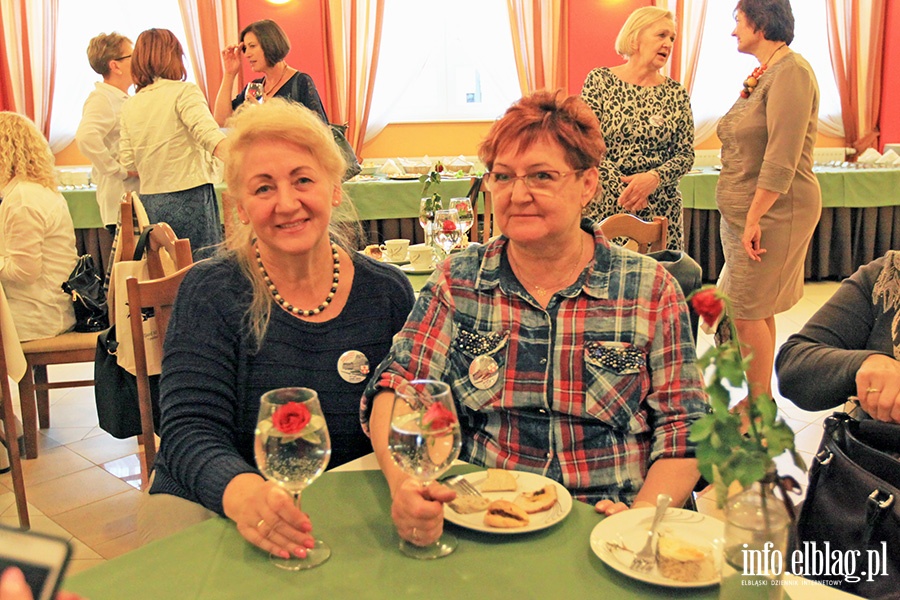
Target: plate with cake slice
point(688, 546)
point(511, 502)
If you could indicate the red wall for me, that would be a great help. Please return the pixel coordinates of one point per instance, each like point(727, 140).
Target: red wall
point(302, 22)
point(890, 83)
point(593, 27)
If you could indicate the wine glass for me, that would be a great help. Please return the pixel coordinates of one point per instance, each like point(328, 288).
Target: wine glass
point(292, 449)
point(426, 217)
point(256, 92)
point(466, 217)
point(446, 231)
point(424, 441)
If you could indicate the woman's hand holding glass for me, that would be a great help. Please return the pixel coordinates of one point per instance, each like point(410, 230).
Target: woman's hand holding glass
point(255, 92)
point(424, 440)
point(292, 449)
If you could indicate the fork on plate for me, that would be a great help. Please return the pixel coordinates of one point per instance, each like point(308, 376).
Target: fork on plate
point(645, 559)
point(461, 485)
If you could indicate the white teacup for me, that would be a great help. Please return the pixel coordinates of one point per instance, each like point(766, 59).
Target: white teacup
point(421, 256)
point(395, 250)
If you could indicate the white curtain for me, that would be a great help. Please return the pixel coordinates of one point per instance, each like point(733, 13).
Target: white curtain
point(29, 32)
point(210, 26)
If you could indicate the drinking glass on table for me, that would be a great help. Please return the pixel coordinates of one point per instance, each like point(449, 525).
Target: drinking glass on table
point(424, 441)
point(292, 449)
point(256, 92)
point(446, 230)
point(464, 207)
point(426, 217)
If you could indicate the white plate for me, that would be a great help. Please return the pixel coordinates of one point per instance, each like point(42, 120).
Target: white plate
point(414, 271)
point(403, 261)
point(629, 529)
point(409, 177)
point(528, 482)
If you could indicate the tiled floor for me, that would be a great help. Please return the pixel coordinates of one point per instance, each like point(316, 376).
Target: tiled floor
point(84, 484)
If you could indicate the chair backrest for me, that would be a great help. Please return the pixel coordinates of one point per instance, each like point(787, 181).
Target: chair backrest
point(477, 190)
point(649, 236)
point(10, 435)
point(158, 295)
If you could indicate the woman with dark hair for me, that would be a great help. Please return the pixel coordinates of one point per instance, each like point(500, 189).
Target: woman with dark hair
point(592, 377)
point(265, 45)
point(170, 138)
point(767, 193)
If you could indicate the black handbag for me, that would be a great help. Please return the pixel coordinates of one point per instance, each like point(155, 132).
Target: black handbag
point(115, 391)
point(353, 168)
point(853, 504)
point(85, 287)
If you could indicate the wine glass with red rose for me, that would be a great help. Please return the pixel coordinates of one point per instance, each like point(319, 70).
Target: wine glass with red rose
point(292, 449)
point(424, 441)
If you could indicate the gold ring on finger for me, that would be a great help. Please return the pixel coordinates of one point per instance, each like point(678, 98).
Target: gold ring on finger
point(872, 390)
point(261, 523)
point(415, 534)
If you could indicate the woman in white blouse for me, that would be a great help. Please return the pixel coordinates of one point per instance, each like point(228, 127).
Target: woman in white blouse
point(98, 132)
point(37, 238)
point(169, 136)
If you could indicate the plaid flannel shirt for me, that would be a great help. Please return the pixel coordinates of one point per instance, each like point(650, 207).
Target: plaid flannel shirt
point(591, 390)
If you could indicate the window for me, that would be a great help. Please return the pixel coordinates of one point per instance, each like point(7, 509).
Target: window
point(443, 62)
point(81, 20)
point(721, 69)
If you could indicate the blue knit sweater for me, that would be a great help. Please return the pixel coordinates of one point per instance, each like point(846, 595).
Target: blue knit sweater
point(212, 379)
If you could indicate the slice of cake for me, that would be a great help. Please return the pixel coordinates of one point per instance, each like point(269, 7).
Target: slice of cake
point(682, 561)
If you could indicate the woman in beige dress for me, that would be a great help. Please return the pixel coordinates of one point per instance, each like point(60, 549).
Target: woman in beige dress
point(767, 193)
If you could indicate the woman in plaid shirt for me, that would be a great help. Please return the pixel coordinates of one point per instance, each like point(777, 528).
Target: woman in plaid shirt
point(567, 356)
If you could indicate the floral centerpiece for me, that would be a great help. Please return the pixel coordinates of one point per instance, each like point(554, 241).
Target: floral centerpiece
point(725, 453)
point(432, 178)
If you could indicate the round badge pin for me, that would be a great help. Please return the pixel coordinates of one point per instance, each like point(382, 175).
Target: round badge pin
point(484, 372)
point(353, 366)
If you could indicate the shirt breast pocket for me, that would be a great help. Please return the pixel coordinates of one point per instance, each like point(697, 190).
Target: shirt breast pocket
point(478, 362)
point(616, 380)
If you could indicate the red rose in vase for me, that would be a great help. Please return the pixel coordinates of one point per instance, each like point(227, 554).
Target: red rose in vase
point(708, 305)
point(448, 226)
point(291, 418)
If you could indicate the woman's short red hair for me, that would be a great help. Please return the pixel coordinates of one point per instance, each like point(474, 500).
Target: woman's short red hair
point(547, 116)
point(157, 54)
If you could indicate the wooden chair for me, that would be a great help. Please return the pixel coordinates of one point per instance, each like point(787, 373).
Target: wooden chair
point(649, 236)
point(158, 295)
point(11, 438)
point(486, 232)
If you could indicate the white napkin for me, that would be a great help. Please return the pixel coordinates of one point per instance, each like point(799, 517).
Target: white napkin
point(15, 358)
point(390, 168)
point(869, 156)
point(897, 162)
point(888, 158)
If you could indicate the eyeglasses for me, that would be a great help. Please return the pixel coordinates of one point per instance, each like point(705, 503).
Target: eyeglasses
point(123, 57)
point(539, 181)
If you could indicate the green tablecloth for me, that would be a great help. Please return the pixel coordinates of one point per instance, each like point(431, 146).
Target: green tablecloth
point(351, 512)
point(850, 188)
point(373, 200)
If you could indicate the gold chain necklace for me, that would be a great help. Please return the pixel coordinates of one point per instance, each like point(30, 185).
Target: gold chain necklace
point(539, 289)
point(336, 259)
point(274, 87)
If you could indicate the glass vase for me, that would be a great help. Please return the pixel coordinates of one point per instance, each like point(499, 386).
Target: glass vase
point(756, 539)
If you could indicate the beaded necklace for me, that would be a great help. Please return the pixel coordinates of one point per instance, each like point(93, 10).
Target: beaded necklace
point(751, 82)
point(290, 307)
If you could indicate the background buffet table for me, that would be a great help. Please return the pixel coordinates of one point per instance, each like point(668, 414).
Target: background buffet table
point(860, 216)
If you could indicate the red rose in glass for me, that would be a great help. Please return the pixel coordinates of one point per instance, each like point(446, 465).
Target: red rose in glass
point(448, 226)
point(708, 305)
point(438, 417)
point(291, 418)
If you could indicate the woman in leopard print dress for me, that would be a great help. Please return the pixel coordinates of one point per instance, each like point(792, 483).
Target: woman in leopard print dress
point(647, 125)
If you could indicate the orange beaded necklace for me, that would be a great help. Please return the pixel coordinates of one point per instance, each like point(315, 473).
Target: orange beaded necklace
point(751, 82)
